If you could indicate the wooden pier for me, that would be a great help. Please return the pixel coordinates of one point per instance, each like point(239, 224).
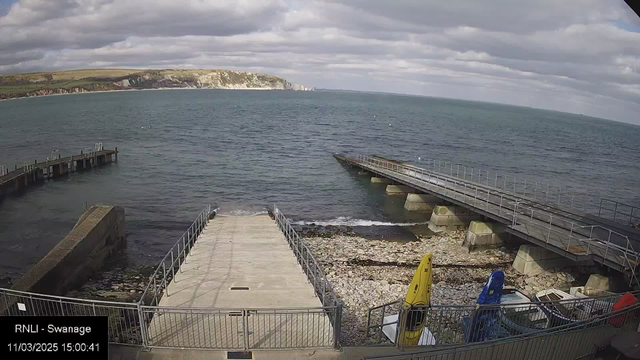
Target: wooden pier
point(54, 167)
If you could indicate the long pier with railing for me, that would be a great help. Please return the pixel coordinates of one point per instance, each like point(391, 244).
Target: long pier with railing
point(550, 224)
point(54, 166)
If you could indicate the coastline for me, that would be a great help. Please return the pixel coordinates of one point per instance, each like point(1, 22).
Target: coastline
point(154, 89)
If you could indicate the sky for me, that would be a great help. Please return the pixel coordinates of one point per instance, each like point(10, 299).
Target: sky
point(578, 56)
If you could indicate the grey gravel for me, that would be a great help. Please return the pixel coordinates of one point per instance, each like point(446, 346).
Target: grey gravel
point(363, 286)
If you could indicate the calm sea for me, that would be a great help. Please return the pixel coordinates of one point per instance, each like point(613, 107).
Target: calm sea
point(245, 150)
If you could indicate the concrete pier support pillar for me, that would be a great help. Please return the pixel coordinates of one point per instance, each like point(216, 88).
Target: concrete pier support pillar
point(380, 180)
point(421, 202)
point(40, 175)
point(484, 235)
point(398, 189)
point(448, 217)
point(64, 168)
point(532, 260)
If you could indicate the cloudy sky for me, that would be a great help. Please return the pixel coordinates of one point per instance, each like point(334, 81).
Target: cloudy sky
point(580, 56)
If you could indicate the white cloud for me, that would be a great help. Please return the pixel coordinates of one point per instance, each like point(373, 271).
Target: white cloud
point(568, 55)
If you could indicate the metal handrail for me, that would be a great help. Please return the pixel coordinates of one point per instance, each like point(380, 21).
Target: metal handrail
point(308, 262)
point(480, 348)
point(441, 319)
point(534, 190)
point(177, 256)
point(58, 298)
point(482, 199)
point(310, 266)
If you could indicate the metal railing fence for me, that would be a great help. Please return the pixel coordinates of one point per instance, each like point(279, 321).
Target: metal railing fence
point(242, 329)
point(124, 319)
point(313, 270)
point(546, 192)
point(170, 263)
point(536, 222)
point(463, 324)
point(567, 342)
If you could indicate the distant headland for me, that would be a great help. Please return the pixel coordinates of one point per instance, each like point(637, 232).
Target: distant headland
point(89, 80)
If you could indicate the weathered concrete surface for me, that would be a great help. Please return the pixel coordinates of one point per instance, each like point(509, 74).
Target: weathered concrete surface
point(484, 235)
point(421, 202)
point(380, 180)
point(398, 189)
point(532, 260)
point(577, 290)
point(123, 352)
point(99, 232)
point(598, 282)
point(247, 252)
point(450, 218)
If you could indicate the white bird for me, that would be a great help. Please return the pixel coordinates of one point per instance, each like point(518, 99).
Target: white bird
point(389, 124)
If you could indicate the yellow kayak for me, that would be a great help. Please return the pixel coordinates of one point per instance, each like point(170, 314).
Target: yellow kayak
point(419, 293)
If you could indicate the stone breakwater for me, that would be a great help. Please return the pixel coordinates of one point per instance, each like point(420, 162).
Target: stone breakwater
point(367, 273)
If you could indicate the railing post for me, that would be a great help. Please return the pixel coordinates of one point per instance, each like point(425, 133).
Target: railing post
point(570, 235)
point(245, 330)
point(155, 289)
point(337, 326)
point(401, 325)
point(184, 251)
point(606, 251)
point(487, 203)
point(164, 278)
point(173, 269)
point(143, 328)
point(600, 207)
point(559, 194)
point(546, 197)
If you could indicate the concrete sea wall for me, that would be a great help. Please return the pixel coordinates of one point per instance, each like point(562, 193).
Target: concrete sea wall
point(99, 232)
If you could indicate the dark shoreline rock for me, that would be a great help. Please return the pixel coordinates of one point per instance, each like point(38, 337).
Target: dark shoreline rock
point(313, 230)
point(118, 283)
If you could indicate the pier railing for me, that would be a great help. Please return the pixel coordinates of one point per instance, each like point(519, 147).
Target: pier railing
point(447, 325)
point(171, 262)
point(542, 191)
point(570, 341)
point(313, 270)
point(124, 318)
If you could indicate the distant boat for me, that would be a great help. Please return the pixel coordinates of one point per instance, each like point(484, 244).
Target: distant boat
point(522, 319)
